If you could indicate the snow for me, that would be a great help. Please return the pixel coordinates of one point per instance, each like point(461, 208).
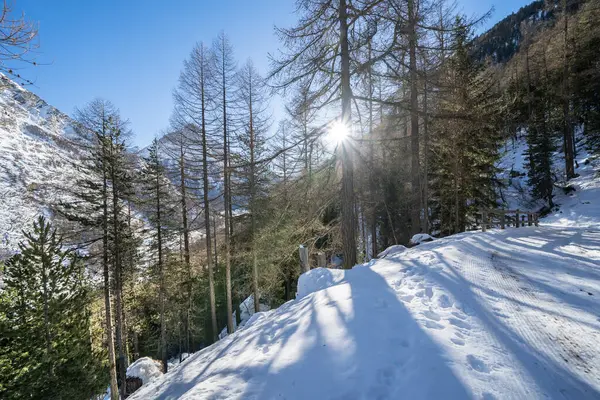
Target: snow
point(174, 362)
point(397, 248)
point(580, 208)
point(318, 279)
point(146, 369)
point(501, 314)
point(35, 160)
point(246, 313)
point(420, 238)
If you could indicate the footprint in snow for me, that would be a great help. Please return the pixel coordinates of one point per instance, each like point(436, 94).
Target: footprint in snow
point(477, 364)
point(431, 315)
point(457, 341)
point(459, 323)
point(396, 284)
point(433, 325)
point(459, 315)
point(429, 291)
point(407, 298)
point(444, 301)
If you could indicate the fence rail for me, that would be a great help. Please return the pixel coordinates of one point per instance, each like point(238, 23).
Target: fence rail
point(507, 218)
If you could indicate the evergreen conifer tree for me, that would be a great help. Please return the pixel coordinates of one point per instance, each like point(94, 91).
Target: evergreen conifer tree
point(45, 344)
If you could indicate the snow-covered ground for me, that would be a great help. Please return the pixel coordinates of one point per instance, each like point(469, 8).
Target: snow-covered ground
point(496, 315)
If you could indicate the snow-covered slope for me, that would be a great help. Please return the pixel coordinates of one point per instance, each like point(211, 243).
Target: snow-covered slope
point(497, 315)
point(578, 208)
point(35, 157)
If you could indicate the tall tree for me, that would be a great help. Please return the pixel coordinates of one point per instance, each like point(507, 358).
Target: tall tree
point(223, 70)
point(567, 127)
point(319, 57)
point(92, 205)
point(120, 178)
point(252, 99)
point(45, 344)
point(156, 186)
point(193, 106)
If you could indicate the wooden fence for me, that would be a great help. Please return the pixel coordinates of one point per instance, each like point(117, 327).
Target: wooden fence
point(506, 218)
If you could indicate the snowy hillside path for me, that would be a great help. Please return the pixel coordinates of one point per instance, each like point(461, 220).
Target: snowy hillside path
point(496, 315)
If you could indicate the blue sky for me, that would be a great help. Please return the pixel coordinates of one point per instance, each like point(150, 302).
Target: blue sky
point(131, 51)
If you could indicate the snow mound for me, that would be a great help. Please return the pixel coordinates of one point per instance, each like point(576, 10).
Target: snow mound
point(395, 249)
point(420, 238)
point(246, 312)
point(256, 318)
point(318, 279)
point(146, 369)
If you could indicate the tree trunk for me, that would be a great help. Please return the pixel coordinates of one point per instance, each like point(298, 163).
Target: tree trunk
point(567, 129)
point(253, 209)
point(161, 295)
point(118, 271)
point(114, 389)
point(186, 246)
point(347, 194)
point(372, 185)
point(425, 159)
point(227, 206)
point(209, 260)
point(414, 118)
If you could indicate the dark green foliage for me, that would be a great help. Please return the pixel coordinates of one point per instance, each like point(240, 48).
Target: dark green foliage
point(45, 343)
point(465, 141)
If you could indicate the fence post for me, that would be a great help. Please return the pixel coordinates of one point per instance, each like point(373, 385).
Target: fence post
point(517, 222)
point(483, 221)
point(536, 219)
point(321, 260)
point(503, 220)
point(529, 218)
point(305, 266)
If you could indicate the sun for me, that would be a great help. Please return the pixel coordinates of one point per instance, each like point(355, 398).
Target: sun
point(338, 132)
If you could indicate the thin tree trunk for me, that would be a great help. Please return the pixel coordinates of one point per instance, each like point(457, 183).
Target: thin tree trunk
point(114, 389)
point(215, 239)
point(186, 245)
point(118, 270)
point(205, 194)
point(347, 194)
point(227, 206)
point(414, 118)
point(567, 129)
point(161, 273)
point(425, 158)
point(372, 185)
point(252, 203)
point(45, 292)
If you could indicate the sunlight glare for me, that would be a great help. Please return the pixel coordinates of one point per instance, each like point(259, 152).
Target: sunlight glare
point(338, 132)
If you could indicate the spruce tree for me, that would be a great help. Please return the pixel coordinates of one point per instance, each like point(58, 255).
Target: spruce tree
point(161, 216)
point(45, 350)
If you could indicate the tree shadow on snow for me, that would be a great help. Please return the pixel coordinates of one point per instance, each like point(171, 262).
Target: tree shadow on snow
point(355, 340)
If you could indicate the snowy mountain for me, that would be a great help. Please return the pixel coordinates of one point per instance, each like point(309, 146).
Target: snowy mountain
point(35, 159)
point(504, 314)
